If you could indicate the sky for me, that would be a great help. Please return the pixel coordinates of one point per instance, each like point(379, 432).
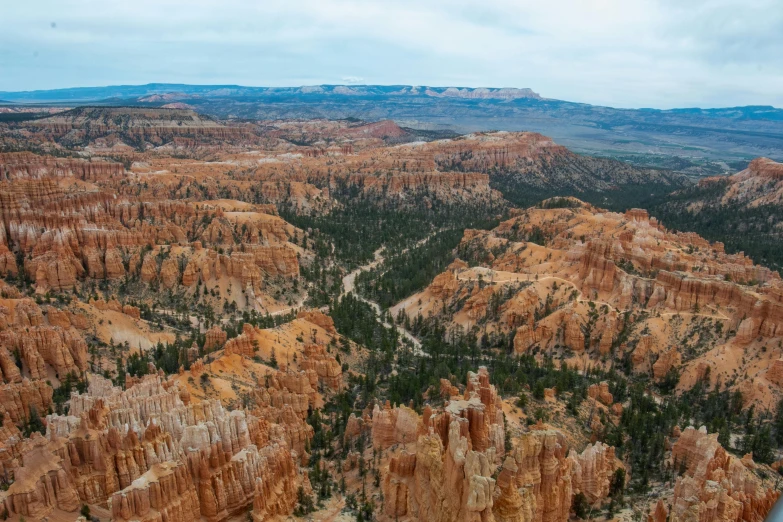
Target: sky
point(620, 53)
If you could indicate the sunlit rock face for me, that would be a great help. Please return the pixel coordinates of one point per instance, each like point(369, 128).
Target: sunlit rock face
point(715, 485)
point(443, 468)
point(573, 280)
point(153, 457)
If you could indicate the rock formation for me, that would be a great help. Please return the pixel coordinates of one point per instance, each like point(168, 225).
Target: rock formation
point(775, 373)
point(600, 392)
point(393, 426)
point(324, 365)
point(666, 362)
point(447, 473)
point(215, 338)
point(62, 349)
point(577, 297)
point(153, 457)
point(17, 399)
point(716, 485)
point(165, 492)
point(285, 400)
point(318, 319)
point(69, 233)
point(148, 125)
point(40, 485)
point(25, 165)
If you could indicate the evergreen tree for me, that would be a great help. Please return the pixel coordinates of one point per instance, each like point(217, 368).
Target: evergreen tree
point(778, 423)
point(538, 391)
point(724, 437)
point(34, 423)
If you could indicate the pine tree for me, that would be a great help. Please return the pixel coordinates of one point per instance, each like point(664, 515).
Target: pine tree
point(724, 436)
point(778, 423)
point(34, 423)
point(579, 505)
point(538, 390)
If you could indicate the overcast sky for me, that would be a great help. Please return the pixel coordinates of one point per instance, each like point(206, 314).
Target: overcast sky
point(622, 53)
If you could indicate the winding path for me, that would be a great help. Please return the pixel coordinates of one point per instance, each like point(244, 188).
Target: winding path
point(349, 285)
point(298, 306)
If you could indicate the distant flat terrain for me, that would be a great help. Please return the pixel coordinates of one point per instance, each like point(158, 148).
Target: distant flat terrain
point(698, 141)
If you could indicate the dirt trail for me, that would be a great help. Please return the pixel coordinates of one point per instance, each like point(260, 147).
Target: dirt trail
point(296, 306)
point(349, 281)
point(349, 285)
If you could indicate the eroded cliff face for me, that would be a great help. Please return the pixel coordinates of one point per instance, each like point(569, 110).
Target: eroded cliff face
point(760, 184)
point(448, 476)
point(715, 485)
point(40, 484)
point(165, 492)
point(26, 165)
point(297, 165)
point(36, 347)
point(446, 471)
point(106, 126)
point(399, 172)
point(535, 161)
point(19, 398)
point(154, 450)
point(325, 366)
point(153, 457)
point(285, 400)
point(586, 282)
point(67, 231)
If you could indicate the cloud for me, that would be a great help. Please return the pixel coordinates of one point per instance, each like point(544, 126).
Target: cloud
point(659, 53)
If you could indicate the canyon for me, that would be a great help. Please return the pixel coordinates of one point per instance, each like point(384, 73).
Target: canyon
point(193, 327)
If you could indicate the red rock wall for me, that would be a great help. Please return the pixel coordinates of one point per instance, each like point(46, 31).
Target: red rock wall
point(716, 485)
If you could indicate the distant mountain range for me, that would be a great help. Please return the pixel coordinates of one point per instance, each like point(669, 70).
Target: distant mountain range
point(91, 94)
point(691, 140)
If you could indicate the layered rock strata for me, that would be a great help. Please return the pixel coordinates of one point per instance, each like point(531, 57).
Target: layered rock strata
point(153, 457)
point(715, 485)
point(447, 473)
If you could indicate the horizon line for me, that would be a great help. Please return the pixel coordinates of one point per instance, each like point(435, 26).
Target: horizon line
point(537, 96)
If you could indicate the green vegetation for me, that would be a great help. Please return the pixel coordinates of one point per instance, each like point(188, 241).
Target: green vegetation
point(363, 224)
point(405, 273)
point(580, 506)
point(16, 117)
point(61, 394)
point(356, 320)
point(690, 166)
point(740, 228)
point(558, 202)
point(34, 423)
point(576, 175)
